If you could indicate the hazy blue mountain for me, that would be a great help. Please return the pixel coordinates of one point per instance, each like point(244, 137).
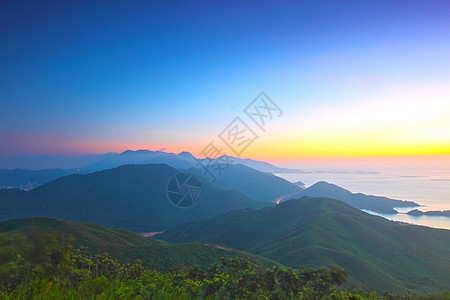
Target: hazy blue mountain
point(183, 160)
point(27, 179)
point(124, 158)
point(254, 164)
point(188, 156)
point(131, 196)
point(361, 201)
point(40, 162)
point(257, 185)
point(380, 254)
point(173, 160)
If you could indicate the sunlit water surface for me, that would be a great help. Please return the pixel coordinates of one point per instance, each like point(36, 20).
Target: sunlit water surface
point(429, 188)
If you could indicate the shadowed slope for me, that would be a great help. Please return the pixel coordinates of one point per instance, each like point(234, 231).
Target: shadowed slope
point(132, 197)
point(380, 254)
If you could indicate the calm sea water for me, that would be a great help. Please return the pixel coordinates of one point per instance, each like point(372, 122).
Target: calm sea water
point(429, 188)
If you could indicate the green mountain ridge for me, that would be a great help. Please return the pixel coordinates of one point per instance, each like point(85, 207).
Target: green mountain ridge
point(380, 254)
point(124, 245)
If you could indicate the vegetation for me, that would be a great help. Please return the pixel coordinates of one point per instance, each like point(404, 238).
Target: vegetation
point(42, 269)
point(124, 245)
point(380, 254)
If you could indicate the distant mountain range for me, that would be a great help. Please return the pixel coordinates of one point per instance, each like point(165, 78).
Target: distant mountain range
point(124, 245)
point(27, 179)
point(132, 197)
point(183, 160)
point(380, 254)
point(258, 185)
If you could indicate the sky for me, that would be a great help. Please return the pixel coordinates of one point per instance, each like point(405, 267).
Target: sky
point(352, 78)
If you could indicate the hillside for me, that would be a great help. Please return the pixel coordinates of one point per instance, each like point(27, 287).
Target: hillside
point(27, 179)
point(124, 245)
point(132, 197)
point(255, 184)
point(361, 201)
point(380, 254)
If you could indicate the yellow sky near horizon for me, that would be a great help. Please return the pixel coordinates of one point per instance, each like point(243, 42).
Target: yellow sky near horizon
point(414, 121)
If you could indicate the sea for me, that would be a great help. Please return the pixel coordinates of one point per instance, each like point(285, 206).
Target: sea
point(429, 188)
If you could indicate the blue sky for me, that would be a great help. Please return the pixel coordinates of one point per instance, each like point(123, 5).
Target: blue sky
point(109, 76)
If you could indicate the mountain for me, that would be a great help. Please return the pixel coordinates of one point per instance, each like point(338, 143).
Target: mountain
point(39, 162)
point(124, 245)
point(173, 160)
point(26, 179)
point(131, 196)
point(254, 164)
point(361, 201)
point(188, 156)
point(181, 160)
point(255, 184)
point(124, 158)
point(380, 254)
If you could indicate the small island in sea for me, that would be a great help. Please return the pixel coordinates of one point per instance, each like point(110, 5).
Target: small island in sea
point(416, 212)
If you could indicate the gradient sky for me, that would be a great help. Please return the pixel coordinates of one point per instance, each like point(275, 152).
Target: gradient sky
point(354, 78)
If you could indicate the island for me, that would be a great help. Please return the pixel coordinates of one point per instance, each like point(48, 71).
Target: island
point(416, 212)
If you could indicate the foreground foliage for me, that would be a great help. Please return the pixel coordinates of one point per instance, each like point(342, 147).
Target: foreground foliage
point(39, 268)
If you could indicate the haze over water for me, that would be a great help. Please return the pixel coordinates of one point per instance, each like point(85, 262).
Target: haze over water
point(429, 188)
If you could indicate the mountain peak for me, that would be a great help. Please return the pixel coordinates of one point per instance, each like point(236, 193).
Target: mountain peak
point(136, 151)
point(186, 155)
point(324, 186)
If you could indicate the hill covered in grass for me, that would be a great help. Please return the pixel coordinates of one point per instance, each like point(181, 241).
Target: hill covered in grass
point(124, 245)
point(132, 197)
point(380, 254)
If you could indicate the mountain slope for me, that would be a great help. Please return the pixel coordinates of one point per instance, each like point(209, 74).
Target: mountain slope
point(132, 197)
point(124, 245)
point(253, 183)
point(375, 203)
point(27, 179)
point(380, 254)
point(124, 158)
point(173, 160)
point(254, 164)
